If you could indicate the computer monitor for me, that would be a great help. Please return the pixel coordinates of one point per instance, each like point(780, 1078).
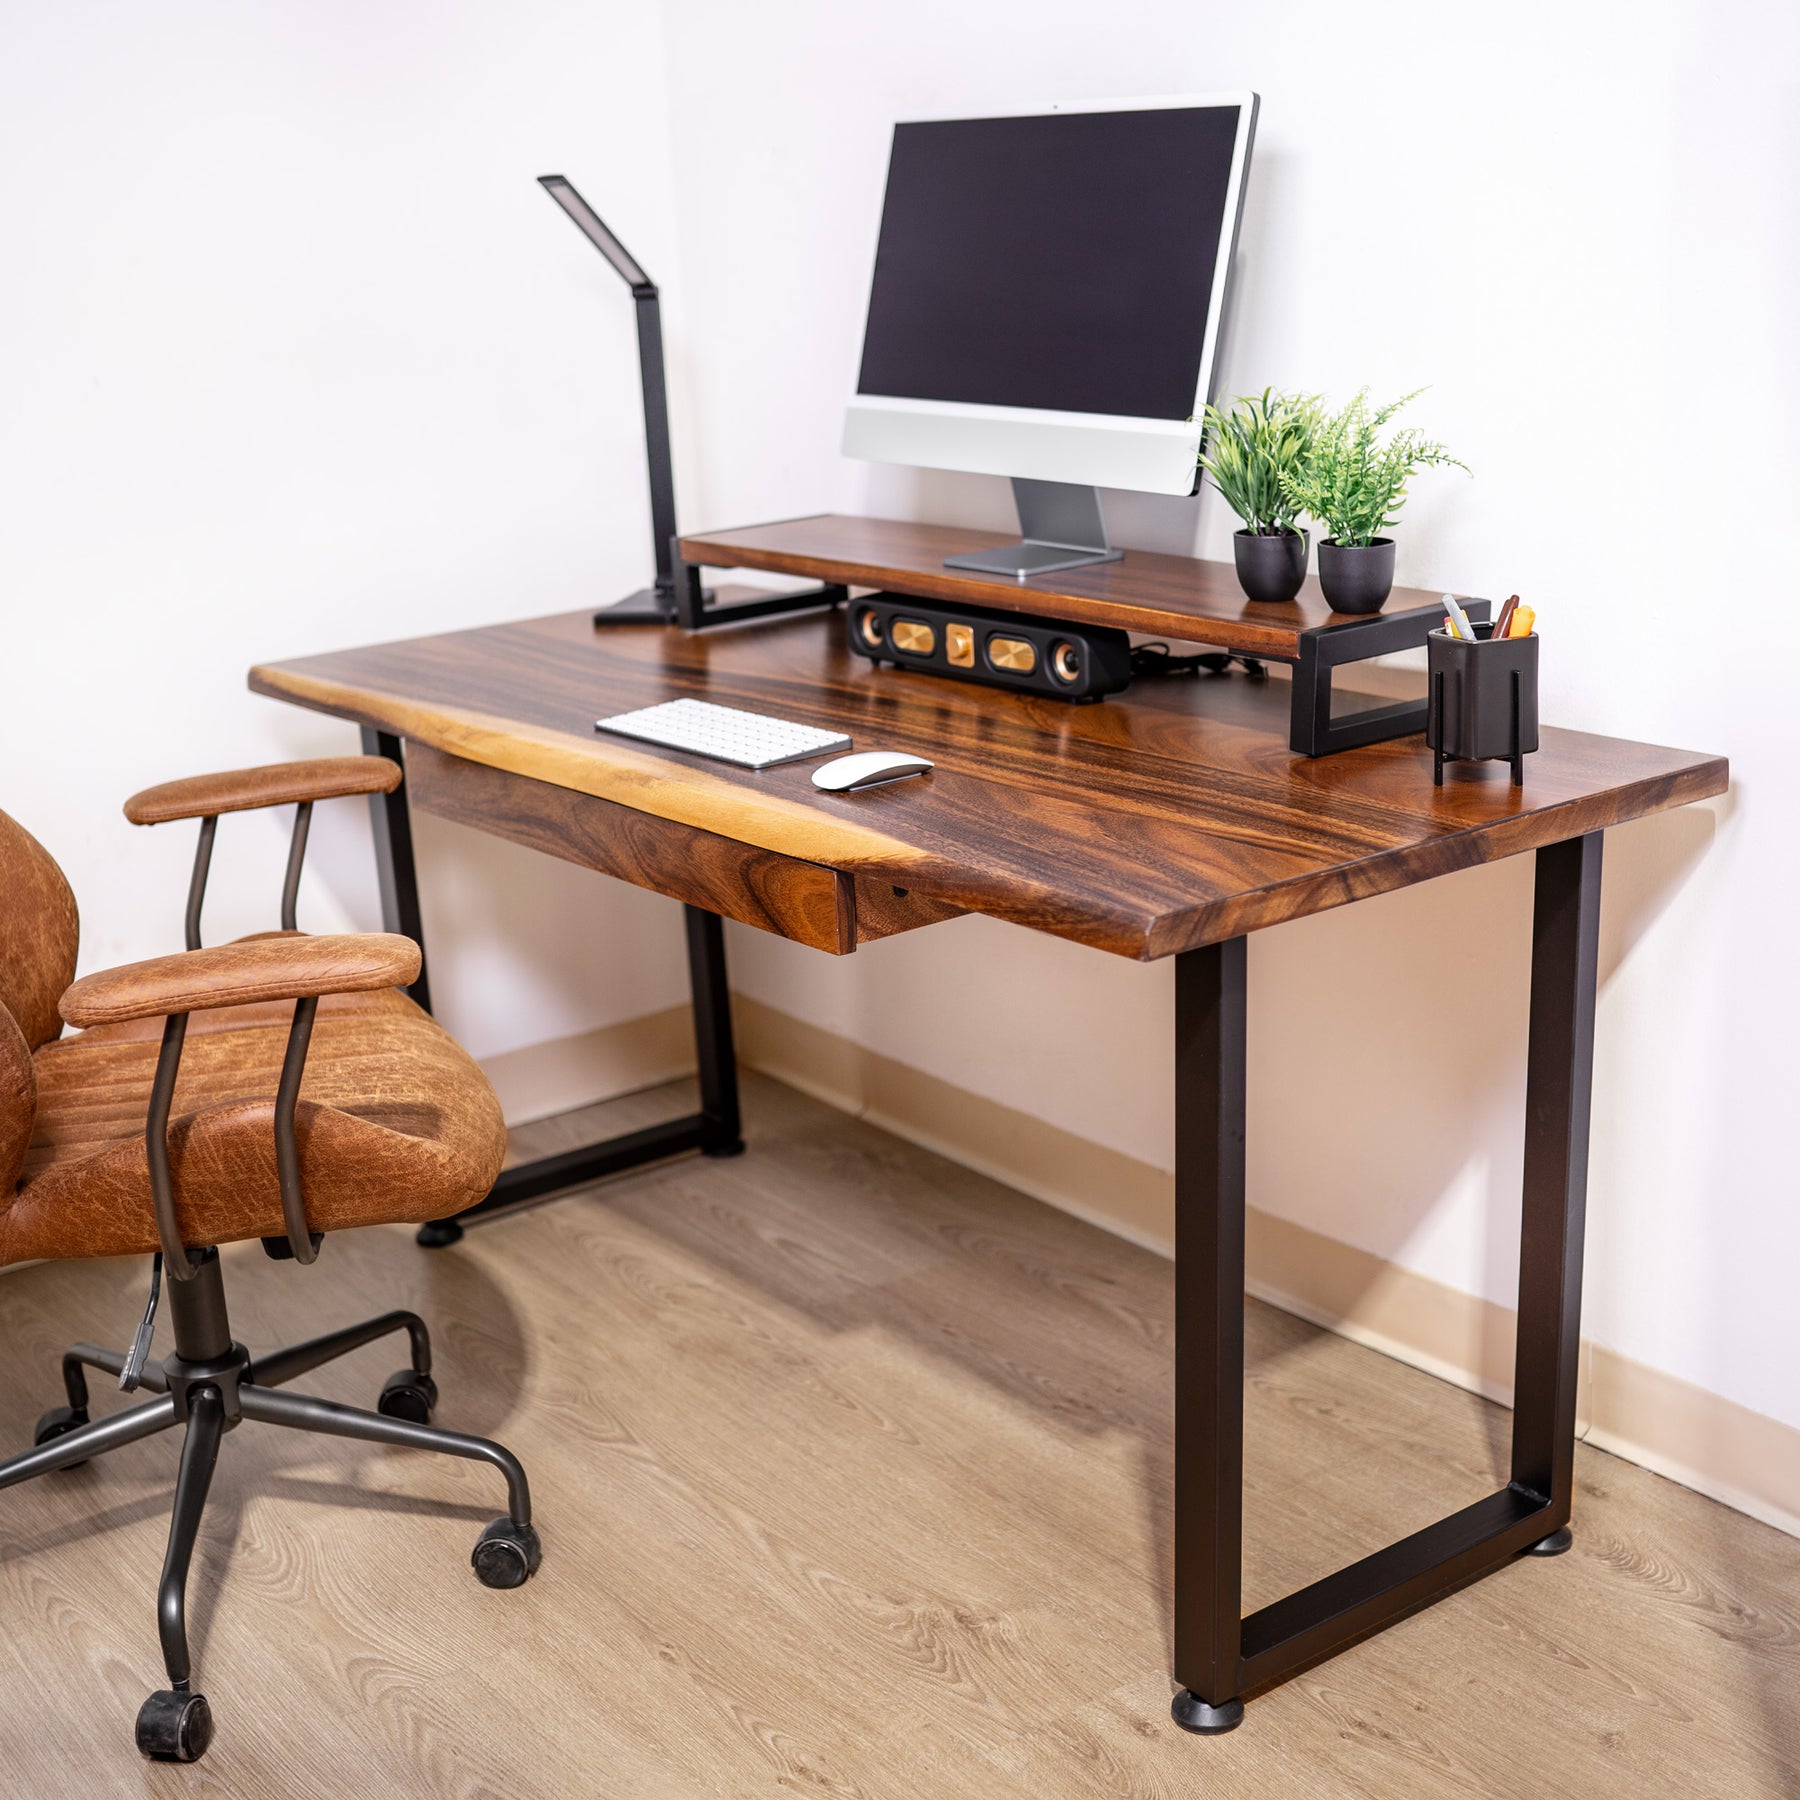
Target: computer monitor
point(1046, 303)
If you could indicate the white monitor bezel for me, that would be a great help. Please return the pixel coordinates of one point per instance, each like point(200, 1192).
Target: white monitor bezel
point(1159, 456)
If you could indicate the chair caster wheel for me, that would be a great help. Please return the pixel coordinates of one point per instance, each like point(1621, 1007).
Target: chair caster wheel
point(436, 1234)
point(1553, 1545)
point(59, 1421)
point(507, 1555)
point(406, 1394)
point(1192, 1713)
point(174, 1727)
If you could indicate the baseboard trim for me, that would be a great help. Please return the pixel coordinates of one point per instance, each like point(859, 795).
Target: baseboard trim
point(537, 1081)
point(1710, 1444)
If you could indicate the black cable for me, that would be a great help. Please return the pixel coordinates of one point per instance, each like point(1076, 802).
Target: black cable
point(1158, 659)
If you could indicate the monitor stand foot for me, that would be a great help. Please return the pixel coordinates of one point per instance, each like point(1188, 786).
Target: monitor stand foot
point(1063, 527)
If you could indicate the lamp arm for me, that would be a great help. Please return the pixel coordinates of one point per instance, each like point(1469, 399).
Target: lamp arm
point(658, 454)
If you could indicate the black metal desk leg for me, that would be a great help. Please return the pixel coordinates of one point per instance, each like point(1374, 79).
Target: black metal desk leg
point(391, 819)
point(713, 1131)
point(1209, 1333)
point(713, 1047)
point(1219, 1656)
point(1565, 941)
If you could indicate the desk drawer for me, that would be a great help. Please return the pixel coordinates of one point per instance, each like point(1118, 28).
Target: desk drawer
point(793, 898)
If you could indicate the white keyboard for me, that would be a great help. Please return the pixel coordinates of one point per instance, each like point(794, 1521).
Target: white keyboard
point(724, 733)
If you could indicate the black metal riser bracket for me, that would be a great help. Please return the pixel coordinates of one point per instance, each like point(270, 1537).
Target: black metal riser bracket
point(1312, 731)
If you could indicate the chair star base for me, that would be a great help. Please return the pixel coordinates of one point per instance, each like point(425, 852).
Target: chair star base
point(210, 1385)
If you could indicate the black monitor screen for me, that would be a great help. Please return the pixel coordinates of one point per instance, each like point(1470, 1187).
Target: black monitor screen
point(1062, 261)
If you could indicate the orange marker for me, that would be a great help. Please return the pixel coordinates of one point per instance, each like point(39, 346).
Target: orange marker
point(1522, 621)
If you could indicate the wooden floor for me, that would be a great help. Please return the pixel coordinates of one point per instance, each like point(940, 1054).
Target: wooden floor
point(853, 1474)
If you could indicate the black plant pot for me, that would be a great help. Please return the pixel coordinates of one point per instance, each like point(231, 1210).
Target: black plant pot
point(1270, 565)
point(1357, 578)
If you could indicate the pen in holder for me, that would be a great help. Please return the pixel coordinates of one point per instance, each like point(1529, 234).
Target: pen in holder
point(1483, 700)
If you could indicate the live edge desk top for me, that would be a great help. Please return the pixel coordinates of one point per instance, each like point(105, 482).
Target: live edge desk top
point(1159, 820)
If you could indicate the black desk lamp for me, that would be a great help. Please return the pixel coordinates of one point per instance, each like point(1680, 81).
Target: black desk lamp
point(677, 596)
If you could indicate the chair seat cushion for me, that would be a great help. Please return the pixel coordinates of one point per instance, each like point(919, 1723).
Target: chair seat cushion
point(395, 1123)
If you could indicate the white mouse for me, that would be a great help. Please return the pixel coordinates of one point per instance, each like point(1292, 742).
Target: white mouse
point(867, 768)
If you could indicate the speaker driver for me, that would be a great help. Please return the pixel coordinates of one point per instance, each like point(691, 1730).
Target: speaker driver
point(1065, 662)
point(1016, 656)
point(868, 626)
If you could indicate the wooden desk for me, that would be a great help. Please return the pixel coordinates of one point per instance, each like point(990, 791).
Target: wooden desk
point(1170, 821)
point(1157, 822)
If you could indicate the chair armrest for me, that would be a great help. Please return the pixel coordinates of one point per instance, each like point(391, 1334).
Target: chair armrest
point(273, 784)
point(280, 968)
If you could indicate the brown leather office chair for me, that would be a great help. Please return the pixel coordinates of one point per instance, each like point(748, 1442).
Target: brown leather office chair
point(278, 1088)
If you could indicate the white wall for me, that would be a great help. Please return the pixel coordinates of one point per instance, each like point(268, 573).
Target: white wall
point(1578, 224)
point(296, 357)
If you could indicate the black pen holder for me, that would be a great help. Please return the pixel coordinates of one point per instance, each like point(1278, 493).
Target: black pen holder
point(1482, 703)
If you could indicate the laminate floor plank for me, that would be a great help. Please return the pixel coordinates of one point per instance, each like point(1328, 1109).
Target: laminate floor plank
point(852, 1468)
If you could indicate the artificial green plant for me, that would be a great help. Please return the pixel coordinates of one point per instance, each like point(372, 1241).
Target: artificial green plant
point(1253, 449)
point(1352, 482)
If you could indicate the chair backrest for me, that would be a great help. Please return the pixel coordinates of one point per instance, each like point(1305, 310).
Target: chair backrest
point(39, 934)
point(18, 1101)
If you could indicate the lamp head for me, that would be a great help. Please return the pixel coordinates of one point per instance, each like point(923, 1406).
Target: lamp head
point(597, 232)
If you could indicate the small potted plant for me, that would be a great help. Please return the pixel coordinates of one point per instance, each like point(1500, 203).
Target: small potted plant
point(1354, 485)
point(1249, 451)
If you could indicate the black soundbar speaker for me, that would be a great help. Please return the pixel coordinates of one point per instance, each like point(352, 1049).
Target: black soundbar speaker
point(1002, 649)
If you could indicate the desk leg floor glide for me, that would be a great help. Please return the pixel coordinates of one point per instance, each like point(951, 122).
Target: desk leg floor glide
point(713, 1130)
point(1221, 1656)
